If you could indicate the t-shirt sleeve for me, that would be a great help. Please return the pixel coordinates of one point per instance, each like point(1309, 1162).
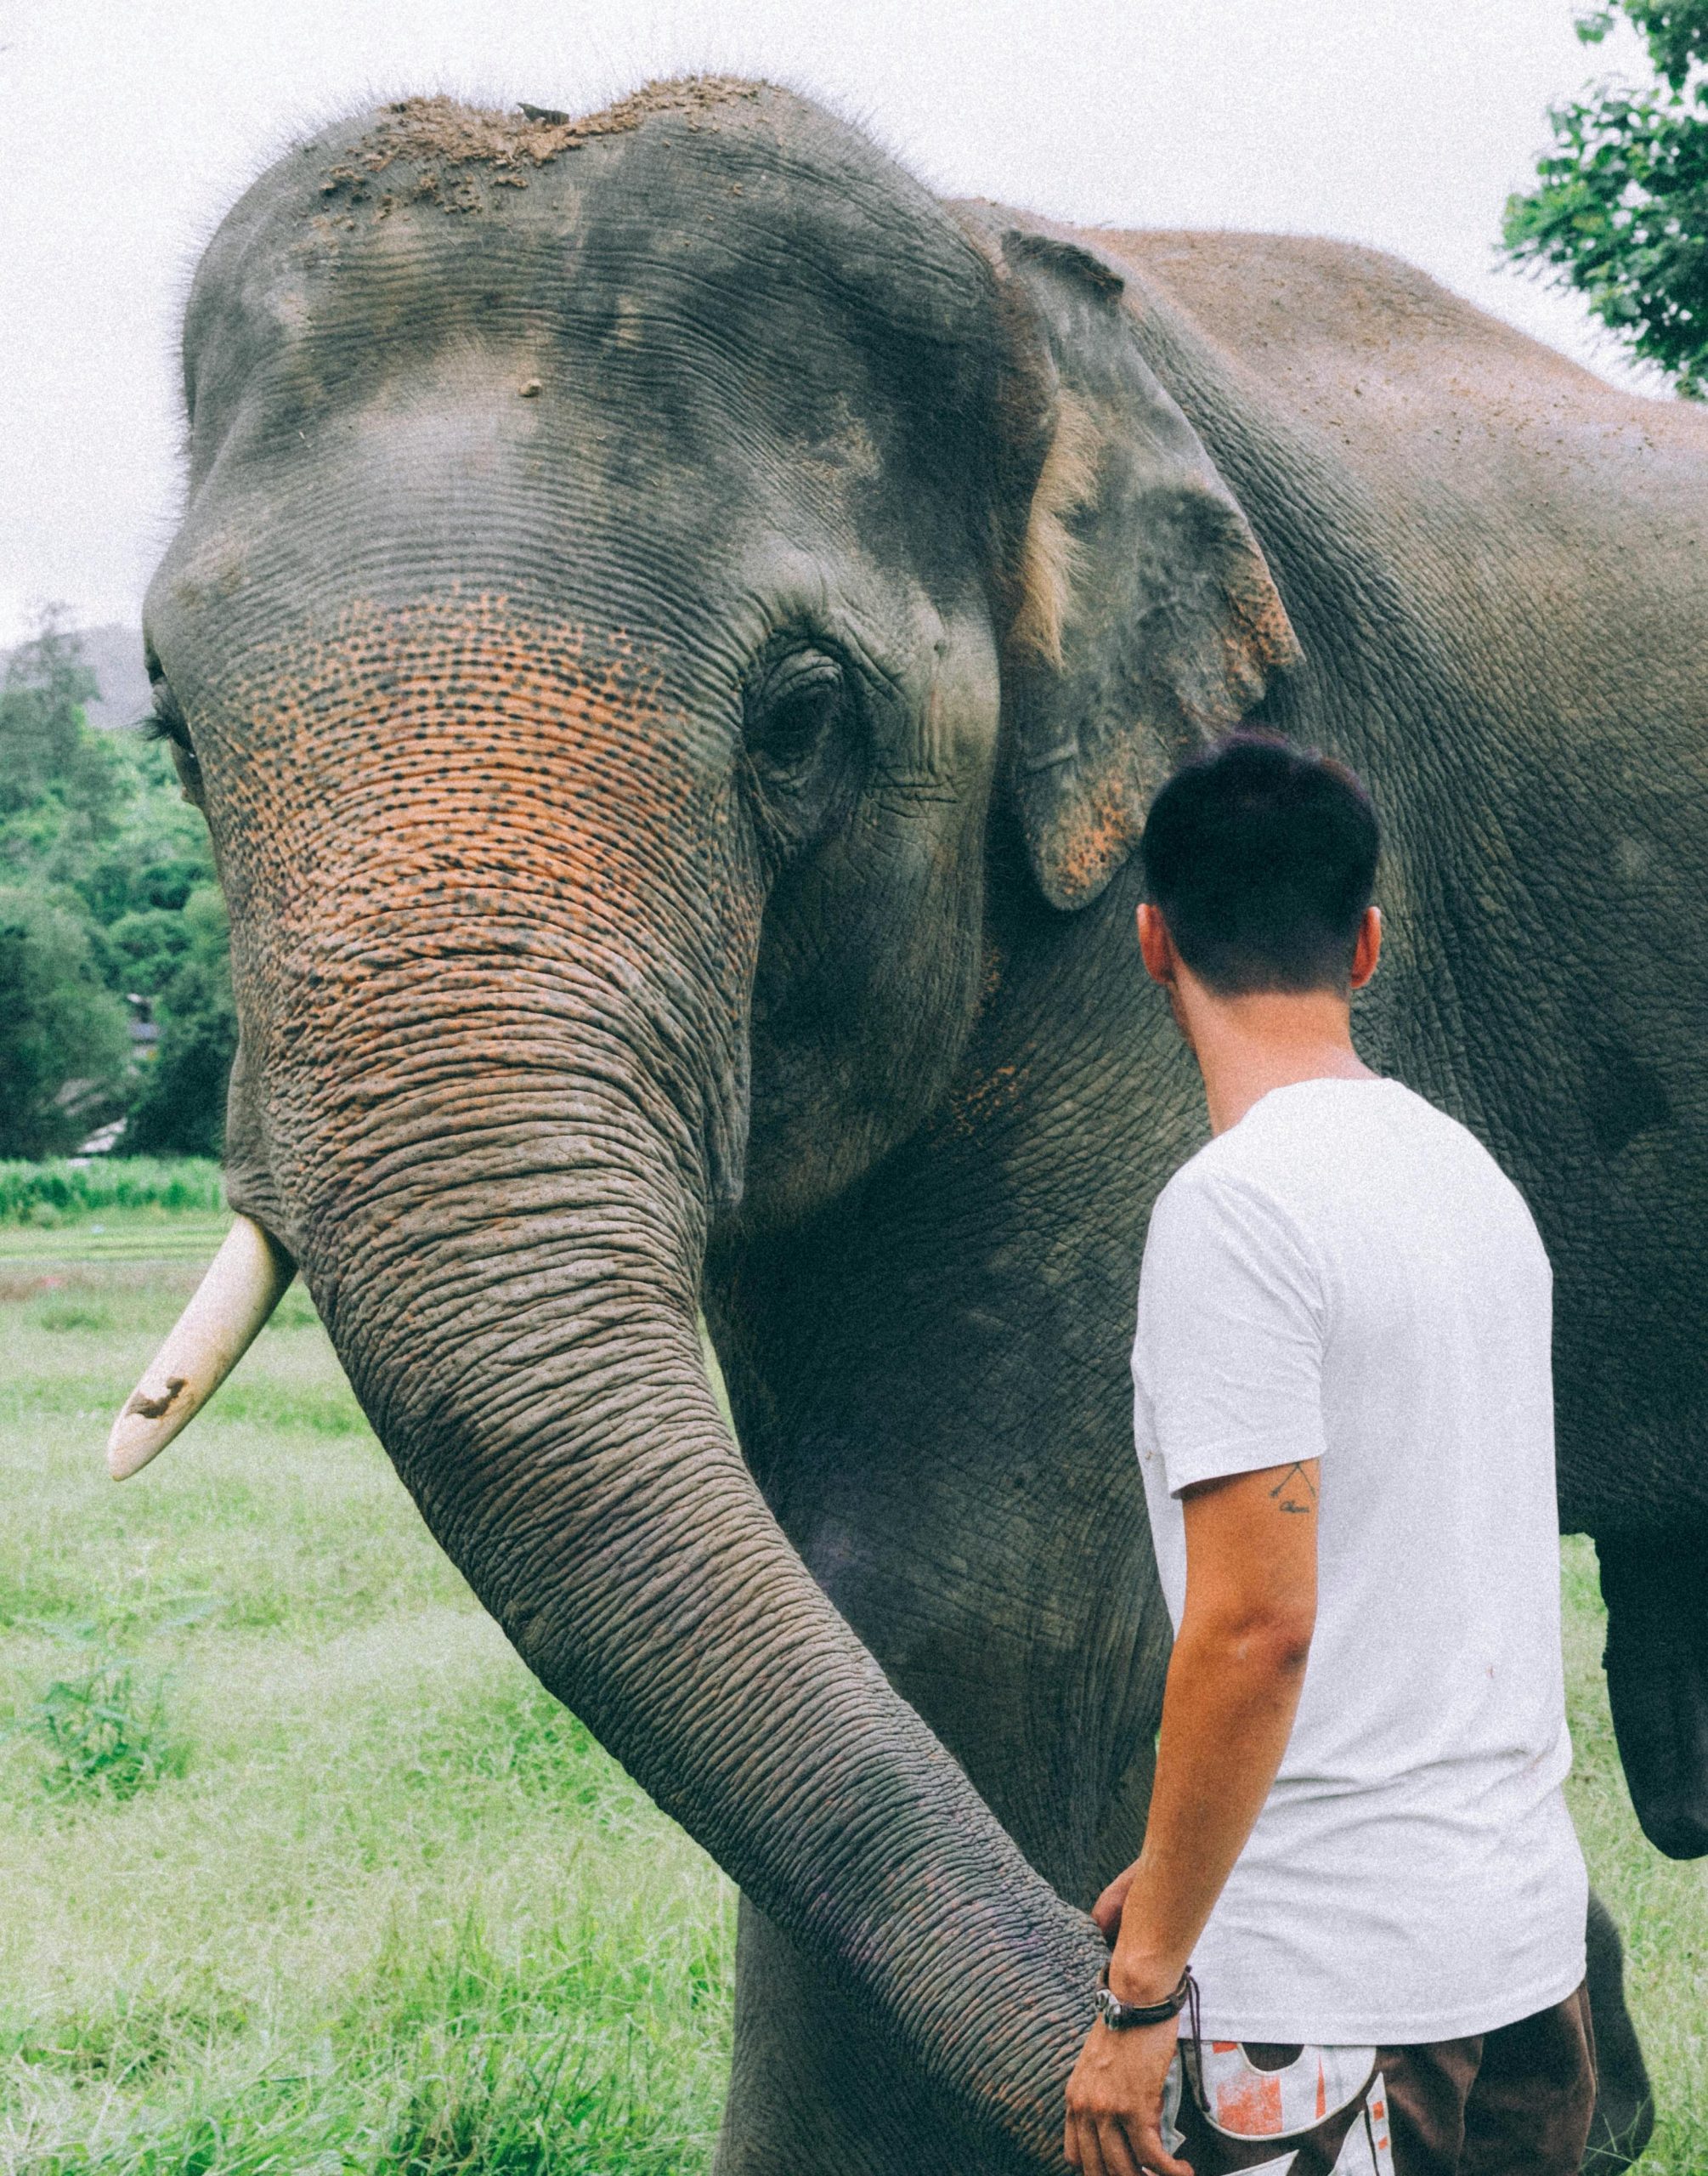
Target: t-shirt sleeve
point(1228, 1351)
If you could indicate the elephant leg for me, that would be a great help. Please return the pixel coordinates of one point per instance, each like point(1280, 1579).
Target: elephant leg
point(1656, 1592)
point(1624, 2105)
point(816, 2087)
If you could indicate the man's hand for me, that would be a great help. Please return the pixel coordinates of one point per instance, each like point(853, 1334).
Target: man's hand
point(1115, 2102)
point(1106, 1911)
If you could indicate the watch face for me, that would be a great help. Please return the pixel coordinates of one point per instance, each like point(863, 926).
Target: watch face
point(1108, 2007)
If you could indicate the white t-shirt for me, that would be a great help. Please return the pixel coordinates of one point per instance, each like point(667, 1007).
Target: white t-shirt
point(1347, 1274)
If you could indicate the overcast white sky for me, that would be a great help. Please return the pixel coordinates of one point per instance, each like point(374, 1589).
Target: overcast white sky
point(127, 125)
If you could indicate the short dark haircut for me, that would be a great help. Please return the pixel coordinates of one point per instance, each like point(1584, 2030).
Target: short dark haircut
point(1261, 859)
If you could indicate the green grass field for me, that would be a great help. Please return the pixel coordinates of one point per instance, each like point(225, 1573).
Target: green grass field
point(300, 1872)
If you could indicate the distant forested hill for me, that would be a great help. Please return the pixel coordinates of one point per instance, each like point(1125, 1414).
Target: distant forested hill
point(113, 656)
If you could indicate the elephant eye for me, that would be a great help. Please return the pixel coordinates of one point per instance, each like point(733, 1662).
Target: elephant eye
point(793, 710)
point(165, 721)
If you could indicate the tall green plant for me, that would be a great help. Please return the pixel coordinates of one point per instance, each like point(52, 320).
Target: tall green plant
point(1620, 208)
point(104, 1731)
point(63, 1192)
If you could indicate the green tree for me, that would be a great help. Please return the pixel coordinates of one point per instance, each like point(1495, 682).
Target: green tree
point(42, 702)
point(1620, 208)
point(181, 1108)
point(94, 830)
point(96, 811)
point(64, 1040)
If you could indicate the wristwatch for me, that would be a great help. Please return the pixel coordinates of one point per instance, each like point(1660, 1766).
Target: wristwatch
point(1121, 2016)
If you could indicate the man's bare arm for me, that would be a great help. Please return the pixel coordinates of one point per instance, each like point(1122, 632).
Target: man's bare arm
point(1233, 1687)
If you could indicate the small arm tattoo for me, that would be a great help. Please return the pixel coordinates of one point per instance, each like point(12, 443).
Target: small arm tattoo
point(1293, 1484)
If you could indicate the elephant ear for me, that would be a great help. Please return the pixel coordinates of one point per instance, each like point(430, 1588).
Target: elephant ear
point(1143, 618)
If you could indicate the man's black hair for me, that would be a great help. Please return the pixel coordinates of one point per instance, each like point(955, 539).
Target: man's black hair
point(1261, 859)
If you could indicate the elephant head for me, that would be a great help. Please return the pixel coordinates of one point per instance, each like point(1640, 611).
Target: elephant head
point(632, 570)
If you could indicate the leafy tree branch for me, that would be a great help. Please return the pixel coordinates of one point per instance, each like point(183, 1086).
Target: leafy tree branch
point(1620, 208)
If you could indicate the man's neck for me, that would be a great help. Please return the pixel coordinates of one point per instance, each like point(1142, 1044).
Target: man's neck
point(1245, 1047)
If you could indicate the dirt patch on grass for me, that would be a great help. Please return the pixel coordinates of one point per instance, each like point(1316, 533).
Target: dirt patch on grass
point(20, 1281)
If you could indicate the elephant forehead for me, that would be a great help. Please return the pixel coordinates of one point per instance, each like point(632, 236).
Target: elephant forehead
point(657, 257)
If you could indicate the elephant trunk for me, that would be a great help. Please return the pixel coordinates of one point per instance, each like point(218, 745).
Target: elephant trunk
point(526, 1344)
point(496, 911)
point(492, 1143)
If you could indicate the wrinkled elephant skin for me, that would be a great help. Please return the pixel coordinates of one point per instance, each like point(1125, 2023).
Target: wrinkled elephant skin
point(674, 631)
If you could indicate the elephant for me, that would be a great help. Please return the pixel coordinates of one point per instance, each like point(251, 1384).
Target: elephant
point(673, 629)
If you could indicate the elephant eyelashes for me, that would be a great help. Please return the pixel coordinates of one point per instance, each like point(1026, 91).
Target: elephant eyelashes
point(801, 746)
point(167, 723)
point(792, 712)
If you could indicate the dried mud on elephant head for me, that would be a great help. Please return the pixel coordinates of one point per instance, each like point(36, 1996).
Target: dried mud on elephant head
point(452, 147)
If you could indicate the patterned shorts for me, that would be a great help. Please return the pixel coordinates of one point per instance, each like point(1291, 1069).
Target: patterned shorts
point(1514, 2102)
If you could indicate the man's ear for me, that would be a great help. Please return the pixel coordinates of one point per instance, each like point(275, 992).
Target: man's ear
point(1156, 946)
point(1367, 953)
point(1143, 620)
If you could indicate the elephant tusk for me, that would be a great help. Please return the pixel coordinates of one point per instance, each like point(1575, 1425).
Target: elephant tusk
point(244, 1284)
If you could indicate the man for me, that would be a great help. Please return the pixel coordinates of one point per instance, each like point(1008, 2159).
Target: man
point(1344, 1412)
